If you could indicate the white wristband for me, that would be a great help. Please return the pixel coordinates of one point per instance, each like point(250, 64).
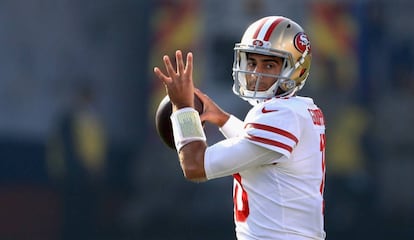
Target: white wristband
point(186, 125)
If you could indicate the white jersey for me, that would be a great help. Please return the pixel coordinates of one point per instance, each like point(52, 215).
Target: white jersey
point(279, 179)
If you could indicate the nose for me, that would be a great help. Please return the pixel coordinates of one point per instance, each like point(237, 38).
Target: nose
point(252, 80)
point(253, 75)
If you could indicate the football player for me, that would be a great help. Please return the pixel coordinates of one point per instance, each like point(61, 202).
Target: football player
point(277, 153)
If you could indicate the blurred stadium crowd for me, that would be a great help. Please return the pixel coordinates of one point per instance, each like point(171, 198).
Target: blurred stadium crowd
point(80, 157)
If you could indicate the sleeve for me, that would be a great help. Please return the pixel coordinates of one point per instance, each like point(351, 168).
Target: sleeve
point(232, 128)
point(234, 155)
point(277, 130)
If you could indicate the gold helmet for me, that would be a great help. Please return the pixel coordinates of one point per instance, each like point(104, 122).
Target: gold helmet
point(273, 36)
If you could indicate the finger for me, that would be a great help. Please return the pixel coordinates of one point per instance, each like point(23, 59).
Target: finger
point(189, 63)
point(199, 94)
point(165, 79)
point(203, 97)
point(168, 66)
point(180, 62)
point(203, 117)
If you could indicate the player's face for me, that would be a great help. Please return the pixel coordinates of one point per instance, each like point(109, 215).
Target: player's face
point(262, 64)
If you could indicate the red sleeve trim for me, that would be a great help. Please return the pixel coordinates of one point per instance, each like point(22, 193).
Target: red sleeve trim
point(272, 129)
point(270, 142)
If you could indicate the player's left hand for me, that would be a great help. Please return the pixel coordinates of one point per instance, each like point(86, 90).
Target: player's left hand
point(178, 81)
point(211, 111)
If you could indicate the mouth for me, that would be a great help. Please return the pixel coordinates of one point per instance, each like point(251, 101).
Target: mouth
point(253, 87)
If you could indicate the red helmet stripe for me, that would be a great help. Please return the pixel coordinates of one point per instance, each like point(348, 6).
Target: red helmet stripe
point(271, 28)
point(259, 28)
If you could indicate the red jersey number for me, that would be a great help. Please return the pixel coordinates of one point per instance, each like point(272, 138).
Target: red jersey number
point(322, 149)
point(240, 199)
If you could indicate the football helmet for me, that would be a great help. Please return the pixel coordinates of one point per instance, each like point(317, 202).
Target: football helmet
point(272, 36)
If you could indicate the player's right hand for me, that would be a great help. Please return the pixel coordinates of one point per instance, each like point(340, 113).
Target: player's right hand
point(178, 80)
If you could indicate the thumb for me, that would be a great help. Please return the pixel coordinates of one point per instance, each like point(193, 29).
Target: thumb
point(199, 94)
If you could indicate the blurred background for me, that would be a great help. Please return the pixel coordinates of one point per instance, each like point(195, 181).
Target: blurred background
point(79, 154)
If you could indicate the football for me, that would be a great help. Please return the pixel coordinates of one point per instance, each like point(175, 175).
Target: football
point(163, 122)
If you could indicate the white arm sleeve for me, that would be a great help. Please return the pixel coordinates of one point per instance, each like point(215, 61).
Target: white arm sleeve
point(232, 128)
point(234, 155)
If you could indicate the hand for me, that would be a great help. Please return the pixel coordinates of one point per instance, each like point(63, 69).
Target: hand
point(212, 112)
point(178, 83)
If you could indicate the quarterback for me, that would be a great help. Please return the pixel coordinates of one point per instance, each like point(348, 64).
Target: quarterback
point(276, 155)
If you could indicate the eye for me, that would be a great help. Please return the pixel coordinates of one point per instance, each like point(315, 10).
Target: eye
point(271, 65)
point(251, 65)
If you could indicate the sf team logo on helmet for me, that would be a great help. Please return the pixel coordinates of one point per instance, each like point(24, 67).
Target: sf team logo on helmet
point(302, 42)
point(257, 42)
point(260, 43)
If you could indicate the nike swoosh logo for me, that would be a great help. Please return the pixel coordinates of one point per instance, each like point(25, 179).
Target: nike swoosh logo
point(264, 110)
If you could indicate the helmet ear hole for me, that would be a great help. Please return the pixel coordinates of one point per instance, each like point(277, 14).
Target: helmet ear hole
point(287, 84)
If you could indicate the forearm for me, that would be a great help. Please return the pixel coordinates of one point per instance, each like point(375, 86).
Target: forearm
point(190, 142)
point(192, 161)
point(222, 118)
